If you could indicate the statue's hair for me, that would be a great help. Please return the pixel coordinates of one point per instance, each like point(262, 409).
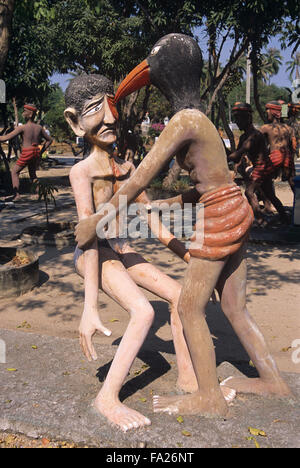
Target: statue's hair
point(85, 87)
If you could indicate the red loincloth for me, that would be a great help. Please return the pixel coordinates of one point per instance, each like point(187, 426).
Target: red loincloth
point(269, 168)
point(227, 220)
point(29, 155)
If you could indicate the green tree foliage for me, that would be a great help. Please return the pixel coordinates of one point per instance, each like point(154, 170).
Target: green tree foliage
point(54, 115)
point(293, 66)
point(6, 12)
point(30, 60)
point(45, 191)
point(94, 42)
point(112, 36)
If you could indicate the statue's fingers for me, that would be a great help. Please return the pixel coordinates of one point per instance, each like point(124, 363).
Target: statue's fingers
point(91, 348)
point(84, 347)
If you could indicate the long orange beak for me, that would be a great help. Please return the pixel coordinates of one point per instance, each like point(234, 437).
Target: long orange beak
point(136, 79)
point(112, 106)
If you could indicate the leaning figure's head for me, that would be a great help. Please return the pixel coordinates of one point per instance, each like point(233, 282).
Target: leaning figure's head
point(242, 115)
point(90, 110)
point(174, 66)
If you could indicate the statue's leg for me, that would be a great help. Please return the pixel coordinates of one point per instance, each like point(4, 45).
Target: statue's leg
point(232, 291)
point(199, 282)
point(269, 190)
point(152, 279)
point(116, 282)
point(16, 180)
point(253, 201)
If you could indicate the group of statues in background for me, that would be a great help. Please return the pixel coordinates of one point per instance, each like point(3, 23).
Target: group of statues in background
point(266, 153)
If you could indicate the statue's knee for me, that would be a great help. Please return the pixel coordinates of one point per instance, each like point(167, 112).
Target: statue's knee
point(143, 311)
point(174, 298)
point(149, 315)
point(187, 311)
point(232, 308)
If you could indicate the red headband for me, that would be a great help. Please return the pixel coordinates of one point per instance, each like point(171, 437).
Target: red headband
point(275, 109)
point(247, 109)
point(242, 106)
point(31, 108)
point(273, 106)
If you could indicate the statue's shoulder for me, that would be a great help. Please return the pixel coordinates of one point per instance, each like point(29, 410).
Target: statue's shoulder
point(187, 114)
point(79, 169)
point(191, 111)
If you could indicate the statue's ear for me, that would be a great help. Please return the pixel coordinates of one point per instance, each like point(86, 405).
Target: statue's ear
point(71, 116)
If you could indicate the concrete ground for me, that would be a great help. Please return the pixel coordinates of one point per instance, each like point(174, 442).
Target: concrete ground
point(47, 386)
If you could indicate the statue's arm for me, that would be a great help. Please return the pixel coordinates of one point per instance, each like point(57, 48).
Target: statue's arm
point(11, 135)
point(90, 321)
point(82, 190)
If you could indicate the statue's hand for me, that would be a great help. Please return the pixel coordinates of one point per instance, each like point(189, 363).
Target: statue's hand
point(85, 232)
point(89, 325)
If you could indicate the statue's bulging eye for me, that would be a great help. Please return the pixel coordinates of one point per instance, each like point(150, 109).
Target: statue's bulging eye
point(94, 109)
point(155, 50)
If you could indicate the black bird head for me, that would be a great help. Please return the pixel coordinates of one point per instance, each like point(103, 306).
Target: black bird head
point(174, 66)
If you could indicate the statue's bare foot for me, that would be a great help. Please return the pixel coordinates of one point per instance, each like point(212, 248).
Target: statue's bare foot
point(257, 386)
point(228, 393)
point(191, 386)
point(195, 403)
point(119, 414)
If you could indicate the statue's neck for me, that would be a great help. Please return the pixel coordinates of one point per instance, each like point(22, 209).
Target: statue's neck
point(185, 100)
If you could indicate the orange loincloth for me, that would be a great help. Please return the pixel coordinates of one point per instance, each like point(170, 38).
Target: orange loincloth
point(28, 155)
point(227, 220)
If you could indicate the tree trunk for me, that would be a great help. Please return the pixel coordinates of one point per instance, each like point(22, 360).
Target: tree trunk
point(7, 181)
point(6, 14)
point(172, 176)
point(225, 123)
point(128, 121)
point(15, 111)
point(253, 56)
point(47, 214)
point(2, 153)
